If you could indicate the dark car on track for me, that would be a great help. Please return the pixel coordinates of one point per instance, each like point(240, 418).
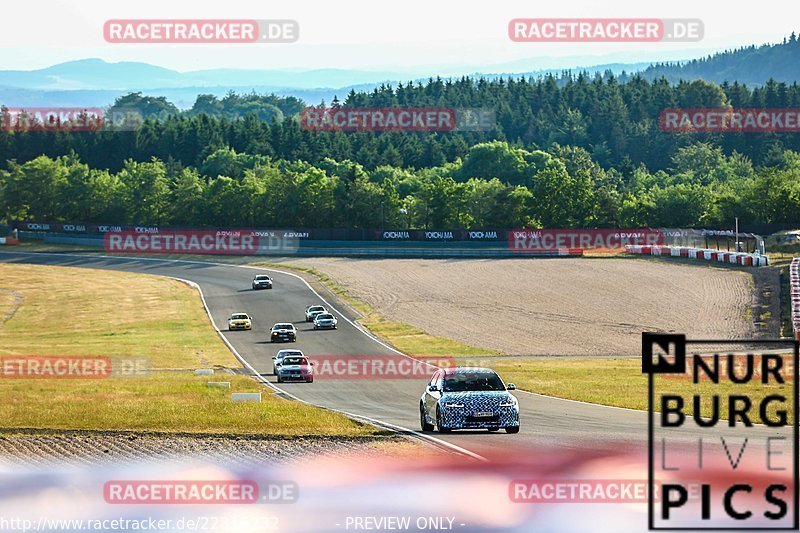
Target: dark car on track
point(468, 398)
point(283, 331)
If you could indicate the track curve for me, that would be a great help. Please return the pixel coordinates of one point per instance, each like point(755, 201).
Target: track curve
point(546, 422)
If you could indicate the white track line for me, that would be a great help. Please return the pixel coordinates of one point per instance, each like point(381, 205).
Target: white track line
point(373, 421)
point(359, 328)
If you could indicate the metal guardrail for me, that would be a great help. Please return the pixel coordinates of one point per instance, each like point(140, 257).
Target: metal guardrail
point(375, 249)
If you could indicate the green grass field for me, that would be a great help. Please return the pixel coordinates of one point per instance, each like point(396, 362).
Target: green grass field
point(117, 314)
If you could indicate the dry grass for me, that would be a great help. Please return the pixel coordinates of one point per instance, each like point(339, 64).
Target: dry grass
point(80, 312)
point(565, 306)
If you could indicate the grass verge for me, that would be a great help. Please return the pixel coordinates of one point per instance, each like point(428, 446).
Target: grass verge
point(79, 312)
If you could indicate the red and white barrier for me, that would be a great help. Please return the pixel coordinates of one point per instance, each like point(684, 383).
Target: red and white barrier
point(8, 240)
point(719, 256)
point(794, 286)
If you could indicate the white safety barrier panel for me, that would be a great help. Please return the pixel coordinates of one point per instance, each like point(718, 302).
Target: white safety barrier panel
point(220, 384)
point(246, 397)
point(203, 371)
point(734, 258)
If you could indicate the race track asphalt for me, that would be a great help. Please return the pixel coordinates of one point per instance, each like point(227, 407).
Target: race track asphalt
point(546, 422)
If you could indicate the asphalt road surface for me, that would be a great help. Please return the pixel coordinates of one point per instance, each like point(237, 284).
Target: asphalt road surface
point(545, 422)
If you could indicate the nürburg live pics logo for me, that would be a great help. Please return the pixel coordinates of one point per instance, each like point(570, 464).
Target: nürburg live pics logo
point(722, 434)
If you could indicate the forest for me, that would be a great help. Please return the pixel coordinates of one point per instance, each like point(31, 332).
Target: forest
point(565, 152)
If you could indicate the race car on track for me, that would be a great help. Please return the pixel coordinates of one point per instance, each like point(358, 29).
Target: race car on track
point(283, 331)
point(468, 398)
point(314, 310)
point(262, 281)
point(295, 368)
point(325, 321)
point(240, 321)
point(277, 359)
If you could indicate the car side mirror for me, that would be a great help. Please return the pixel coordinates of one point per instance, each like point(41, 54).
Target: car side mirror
point(511, 386)
point(313, 363)
point(274, 357)
point(433, 388)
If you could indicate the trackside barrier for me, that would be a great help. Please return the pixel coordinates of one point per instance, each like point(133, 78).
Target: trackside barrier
point(8, 240)
point(794, 285)
point(733, 258)
point(246, 397)
point(369, 249)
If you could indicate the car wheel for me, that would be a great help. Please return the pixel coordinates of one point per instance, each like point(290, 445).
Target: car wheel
point(492, 430)
point(280, 380)
point(439, 422)
point(512, 429)
point(310, 380)
point(423, 422)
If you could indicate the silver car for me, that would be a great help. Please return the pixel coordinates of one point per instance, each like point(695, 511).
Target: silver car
point(296, 368)
point(314, 310)
point(468, 398)
point(262, 281)
point(325, 321)
point(277, 360)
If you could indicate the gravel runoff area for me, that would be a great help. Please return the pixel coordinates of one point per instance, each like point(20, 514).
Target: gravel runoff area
point(93, 449)
point(564, 306)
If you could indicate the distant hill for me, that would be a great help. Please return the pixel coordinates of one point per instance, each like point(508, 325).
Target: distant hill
point(752, 65)
point(95, 82)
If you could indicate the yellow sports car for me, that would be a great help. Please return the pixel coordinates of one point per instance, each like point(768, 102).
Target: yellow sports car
point(240, 321)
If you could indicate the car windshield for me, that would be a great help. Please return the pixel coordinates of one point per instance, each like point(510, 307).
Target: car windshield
point(281, 355)
point(313, 309)
point(473, 381)
point(324, 317)
point(282, 326)
point(295, 360)
point(262, 278)
point(239, 317)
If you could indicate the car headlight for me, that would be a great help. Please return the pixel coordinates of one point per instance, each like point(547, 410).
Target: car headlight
point(454, 405)
point(510, 403)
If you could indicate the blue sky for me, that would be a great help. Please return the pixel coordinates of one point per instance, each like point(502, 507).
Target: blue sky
point(415, 36)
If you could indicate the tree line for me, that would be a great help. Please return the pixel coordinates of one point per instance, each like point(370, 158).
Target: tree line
point(495, 185)
point(616, 123)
